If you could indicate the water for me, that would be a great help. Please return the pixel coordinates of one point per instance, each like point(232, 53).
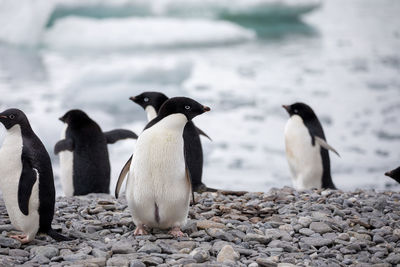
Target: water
point(238, 57)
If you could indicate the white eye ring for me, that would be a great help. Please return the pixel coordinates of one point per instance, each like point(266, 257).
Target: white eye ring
point(295, 111)
point(146, 99)
point(12, 116)
point(187, 107)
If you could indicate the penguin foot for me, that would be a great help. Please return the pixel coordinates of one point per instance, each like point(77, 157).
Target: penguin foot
point(21, 238)
point(176, 232)
point(140, 231)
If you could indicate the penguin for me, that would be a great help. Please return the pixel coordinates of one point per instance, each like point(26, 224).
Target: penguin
point(395, 174)
point(26, 179)
point(84, 160)
point(159, 181)
point(307, 149)
point(151, 102)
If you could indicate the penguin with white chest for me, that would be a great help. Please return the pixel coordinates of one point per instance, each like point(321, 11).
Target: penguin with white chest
point(158, 185)
point(307, 149)
point(84, 160)
point(151, 102)
point(26, 179)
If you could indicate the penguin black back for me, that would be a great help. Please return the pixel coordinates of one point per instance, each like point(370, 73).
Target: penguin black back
point(315, 129)
point(91, 171)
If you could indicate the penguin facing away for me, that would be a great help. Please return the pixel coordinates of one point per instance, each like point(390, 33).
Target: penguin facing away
point(395, 174)
point(307, 149)
point(84, 159)
point(151, 102)
point(158, 185)
point(26, 179)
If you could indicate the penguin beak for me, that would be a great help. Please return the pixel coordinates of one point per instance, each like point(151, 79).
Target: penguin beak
point(133, 98)
point(286, 107)
point(205, 108)
point(388, 174)
point(3, 117)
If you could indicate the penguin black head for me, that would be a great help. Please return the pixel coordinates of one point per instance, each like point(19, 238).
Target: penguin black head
point(13, 116)
point(302, 110)
point(155, 99)
point(395, 174)
point(184, 105)
point(75, 117)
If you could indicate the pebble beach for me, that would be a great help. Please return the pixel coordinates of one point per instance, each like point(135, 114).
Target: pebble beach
point(282, 227)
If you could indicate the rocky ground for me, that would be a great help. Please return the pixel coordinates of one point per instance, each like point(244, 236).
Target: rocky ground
point(278, 228)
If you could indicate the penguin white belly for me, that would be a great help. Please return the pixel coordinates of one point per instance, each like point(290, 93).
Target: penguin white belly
point(151, 113)
point(11, 169)
point(157, 179)
point(66, 168)
point(304, 159)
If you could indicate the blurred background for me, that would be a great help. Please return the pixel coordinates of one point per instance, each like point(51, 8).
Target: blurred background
point(243, 58)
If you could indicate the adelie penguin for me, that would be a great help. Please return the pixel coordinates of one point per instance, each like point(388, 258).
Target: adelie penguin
point(159, 185)
point(395, 174)
point(26, 179)
point(307, 149)
point(84, 160)
point(151, 102)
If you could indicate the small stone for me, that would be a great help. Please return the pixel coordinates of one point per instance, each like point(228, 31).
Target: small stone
point(205, 224)
point(393, 258)
point(220, 234)
point(344, 236)
point(150, 248)
point(46, 251)
point(118, 261)
point(305, 221)
point(122, 248)
point(306, 231)
point(76, 257)
point(18, 253)
point(227, 253)
point(152, 261)
point(253, 264)
point(378, 239)
point(137, 263)
point(40, 259)
point(266, 262)
point(320, 227)
point(317, 241)
point(200, 255)
point(256, 237)
point(100, 253)
point(9, 242)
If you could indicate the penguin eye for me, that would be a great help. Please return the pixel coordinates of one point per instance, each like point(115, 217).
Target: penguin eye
point(187, 107)
point(146, 99)
point(11, 116)
point(295, 111)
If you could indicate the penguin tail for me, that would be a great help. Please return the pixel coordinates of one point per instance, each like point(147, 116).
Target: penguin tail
point(58, 237)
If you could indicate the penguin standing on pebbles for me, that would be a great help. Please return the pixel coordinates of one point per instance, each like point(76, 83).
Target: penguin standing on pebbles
point(84, 161)
point(159, 186)
point(307, 149)
point(26, 179)
point(151, 102)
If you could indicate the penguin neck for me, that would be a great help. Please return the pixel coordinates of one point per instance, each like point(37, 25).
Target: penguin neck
point(151, 113)
point(173, 122)
point(14, 131)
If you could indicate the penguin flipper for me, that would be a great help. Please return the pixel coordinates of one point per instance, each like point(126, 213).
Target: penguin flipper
point(188, 176)
point(29, 176)
point(65, 144)
point(119, 134)
point(201, 132)
point(325, 145)
point(122, 176)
